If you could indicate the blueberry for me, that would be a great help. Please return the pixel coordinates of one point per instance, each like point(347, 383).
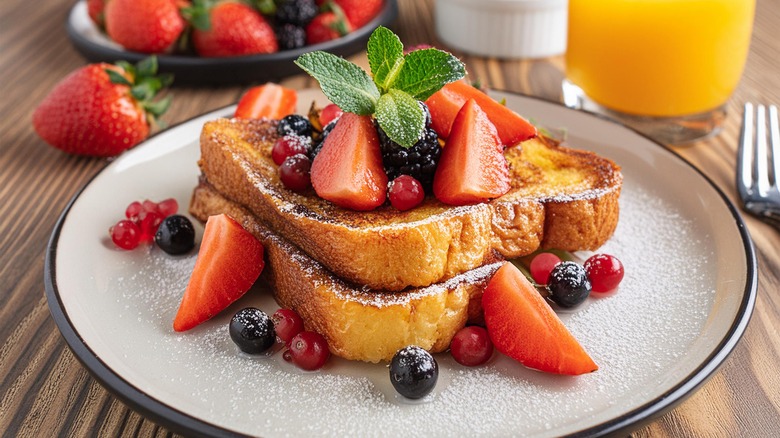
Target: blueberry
point(413, 372)
point(176, 235)
point(252, 330)
point(569, 284)
point(294, 124)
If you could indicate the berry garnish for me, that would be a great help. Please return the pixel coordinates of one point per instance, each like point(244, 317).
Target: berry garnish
point(330, 113)
point(290, 36)
point(541, 266)
point(294, 124)
point(175, 235)
point(125, 234)
point(569, 285)
point(309, 350)
point(405, 192)
point(294, 172)
point(149, 221)
point(133, 210)
point(252, 330)
point(288, 146)
point(605, 272)
point(297, 12)
point(287, 323)
point(168, 207)
point(325, 132)
point(471, 346)
point(418, 161)
point(413, 372)
point(150, 206)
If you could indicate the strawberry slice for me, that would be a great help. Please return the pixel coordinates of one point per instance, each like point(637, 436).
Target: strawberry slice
point(229, 261)
point(445, 104)
point(472, 167)
point(348, 170)
point(524, 327)
point(269, 100)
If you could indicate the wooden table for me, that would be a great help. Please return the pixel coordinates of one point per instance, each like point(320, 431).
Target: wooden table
point(45, 391)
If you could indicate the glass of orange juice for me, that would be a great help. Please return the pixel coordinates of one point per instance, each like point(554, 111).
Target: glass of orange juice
point(665, 67)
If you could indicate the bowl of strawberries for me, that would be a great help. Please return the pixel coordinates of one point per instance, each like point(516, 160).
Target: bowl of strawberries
point(223, 41)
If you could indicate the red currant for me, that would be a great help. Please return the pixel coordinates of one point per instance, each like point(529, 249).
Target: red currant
point(125, 234)
point(287, 324)
point(329, 114)
point(405, 193)
point(288, 146)
point(605, 272)
point(542, 265)
point(309, 350)
point(168, 207)
point(133, 210)
point(294, 172)
point(471, 346)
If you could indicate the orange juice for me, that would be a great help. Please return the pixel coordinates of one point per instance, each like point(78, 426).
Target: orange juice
point(658, 57)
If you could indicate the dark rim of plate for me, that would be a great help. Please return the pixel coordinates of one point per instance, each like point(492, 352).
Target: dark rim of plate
point(181, 422)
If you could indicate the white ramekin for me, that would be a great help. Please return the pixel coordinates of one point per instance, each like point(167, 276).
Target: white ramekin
point(503, 28)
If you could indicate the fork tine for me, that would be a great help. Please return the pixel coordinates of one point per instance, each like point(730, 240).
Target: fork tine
point(745, 153)
point(774, 142)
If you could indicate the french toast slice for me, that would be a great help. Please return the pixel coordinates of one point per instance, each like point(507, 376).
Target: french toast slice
point(559, 198)
point(359, 324)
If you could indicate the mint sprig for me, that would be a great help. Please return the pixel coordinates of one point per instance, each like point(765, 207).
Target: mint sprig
point(398, 82)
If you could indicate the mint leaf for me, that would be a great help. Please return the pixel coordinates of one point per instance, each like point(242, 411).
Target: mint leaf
point(385, 57)
point(425, 71)
point(343, 82)
point(401, 117)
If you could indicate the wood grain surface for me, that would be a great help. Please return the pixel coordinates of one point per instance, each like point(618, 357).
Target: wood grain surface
point(44, 391)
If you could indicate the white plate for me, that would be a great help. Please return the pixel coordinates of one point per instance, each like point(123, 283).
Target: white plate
point(686, 299)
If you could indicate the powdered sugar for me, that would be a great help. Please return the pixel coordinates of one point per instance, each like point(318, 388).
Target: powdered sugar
point(204, 374)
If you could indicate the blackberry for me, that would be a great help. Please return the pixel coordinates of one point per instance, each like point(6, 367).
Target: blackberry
point(290, 36)
point(418, 161)
point(297, 12)
point(325, 131)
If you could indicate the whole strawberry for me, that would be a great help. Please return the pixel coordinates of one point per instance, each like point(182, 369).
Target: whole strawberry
point(146, 26)
point(360, 12)
point(231, 29)
point(95, 9)
point(102, 109)
point(327, 26)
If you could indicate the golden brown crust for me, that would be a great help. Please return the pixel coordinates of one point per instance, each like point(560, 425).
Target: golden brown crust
point(560, 198)
point(359, 324)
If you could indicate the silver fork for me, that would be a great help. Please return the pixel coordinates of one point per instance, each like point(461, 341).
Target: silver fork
point(758, 170)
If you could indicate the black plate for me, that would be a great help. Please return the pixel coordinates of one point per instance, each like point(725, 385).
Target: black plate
point(215, 71)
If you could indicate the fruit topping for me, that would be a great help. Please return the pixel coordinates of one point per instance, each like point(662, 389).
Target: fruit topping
point(288, 146)
point(524, 327)
point(229, 261)
point(175, 235)
point(232, 28)
point(472, 167)
point(471, 346)
point(294, 172)
point(295, 124)
point(405, 192)
point(167, 207)
point(323, 135)
point(102, 109)
point(287, 323)
point(125, 234)
point(360, 12)
point(413, 372)
point(447, 102)
point(605, 272)
point(267, 101)
point(541, 266)
point(309, 350)
point(290, 36)
point(418, 161)
point(568, 285)
point(325, 27)
point(252, 330)
point(348, 170)
point(330, 113)
point(149, 222)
